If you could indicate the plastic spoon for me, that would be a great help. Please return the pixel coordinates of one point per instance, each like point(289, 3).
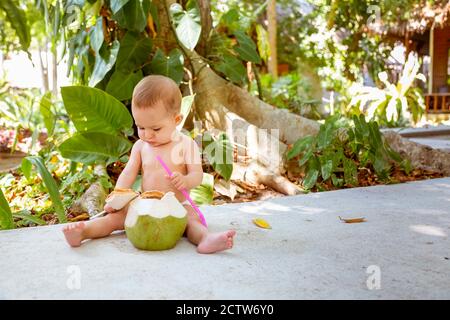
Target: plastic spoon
point(185, 193)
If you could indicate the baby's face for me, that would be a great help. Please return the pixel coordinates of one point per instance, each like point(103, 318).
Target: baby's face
point(155, 124)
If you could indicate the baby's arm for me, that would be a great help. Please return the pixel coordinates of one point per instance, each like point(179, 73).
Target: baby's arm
point(131, 170)
point(193, 160)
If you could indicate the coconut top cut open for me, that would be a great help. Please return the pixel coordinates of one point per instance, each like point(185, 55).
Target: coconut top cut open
point(156, 205)
point(152, 194)
point(119, 198)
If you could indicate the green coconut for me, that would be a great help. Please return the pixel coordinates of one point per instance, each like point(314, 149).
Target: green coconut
point(155, 224)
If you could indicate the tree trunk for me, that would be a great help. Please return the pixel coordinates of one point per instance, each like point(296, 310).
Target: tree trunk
point(93, 200)
point(165, 37)
point(251, 124)
point(420, 155)
point(44, 68)
point(54, 72)
point(206, 19)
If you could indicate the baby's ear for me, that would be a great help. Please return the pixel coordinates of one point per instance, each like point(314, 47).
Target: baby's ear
point(178, 118)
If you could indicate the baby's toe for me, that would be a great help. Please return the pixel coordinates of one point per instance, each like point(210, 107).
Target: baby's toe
point(231, 233)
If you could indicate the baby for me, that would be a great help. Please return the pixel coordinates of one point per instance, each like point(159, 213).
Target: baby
point(155, 106)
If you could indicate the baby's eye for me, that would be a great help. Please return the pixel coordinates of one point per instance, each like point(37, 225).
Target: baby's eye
point(157, 129)
point(140, 128)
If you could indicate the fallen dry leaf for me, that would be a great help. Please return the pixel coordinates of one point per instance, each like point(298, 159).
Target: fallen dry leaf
point(262, 223)
point(353, 220)
point(225, 188)
point(80, 217)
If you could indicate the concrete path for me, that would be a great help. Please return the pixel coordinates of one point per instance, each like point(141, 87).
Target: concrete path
point(401, 252)
point(443, 144)
point(436, 137)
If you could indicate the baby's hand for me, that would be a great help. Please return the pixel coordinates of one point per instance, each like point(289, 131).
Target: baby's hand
point(177, 180)
point(109, 209)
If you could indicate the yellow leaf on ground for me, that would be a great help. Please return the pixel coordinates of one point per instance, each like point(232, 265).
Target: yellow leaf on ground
point(353, 220)
point(262, 223)
point(80, 217)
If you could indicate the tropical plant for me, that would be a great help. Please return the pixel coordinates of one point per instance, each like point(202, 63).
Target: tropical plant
point(340, 150)
point(219, 153)
point(20, 110)
point(291, 91)
point(6, 217)
point(204, 193)
point(16, 16)
point(102, 124)
point(49, 182)
point(394, 103)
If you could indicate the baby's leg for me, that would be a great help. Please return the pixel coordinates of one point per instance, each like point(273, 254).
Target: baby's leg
point(75, 233)
point(206, 242)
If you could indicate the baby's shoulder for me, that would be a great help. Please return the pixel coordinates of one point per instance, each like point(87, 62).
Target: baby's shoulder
point(191, 150)
point(187, 141)
point(137, 146)
point(138, 143)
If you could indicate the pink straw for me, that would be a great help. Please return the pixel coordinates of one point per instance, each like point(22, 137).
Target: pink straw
point(185, 193)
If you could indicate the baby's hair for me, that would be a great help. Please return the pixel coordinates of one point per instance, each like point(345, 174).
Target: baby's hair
point(154, 88)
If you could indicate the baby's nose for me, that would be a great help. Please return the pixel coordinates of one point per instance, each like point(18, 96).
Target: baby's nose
point(148, 134)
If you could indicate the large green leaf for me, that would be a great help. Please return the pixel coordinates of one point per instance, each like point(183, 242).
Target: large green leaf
point(134, 52)
point(171, 66)
point(305, 158)
point(325, 136)
point(50, 184)
point(232, 68)
point(263, 42)
point(188, 24)
point(326, 168)
point(96, 35)
point(380, 164)
point(116, 5)
point(350, 172)
point(230, 19)
point(220, 155)
point(186, 104)
point(246, 48)
point(311, 178)
point(94, 110)
point(89, 147)
point(121, 84)
point(104, 61)
point(6, 218)
point(17, 18)
point(133, 15)
point(375, 135)
point(299, 146)
point(204, 193)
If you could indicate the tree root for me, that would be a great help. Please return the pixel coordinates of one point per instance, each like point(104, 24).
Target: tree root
point(420, 155)
point(93, 199)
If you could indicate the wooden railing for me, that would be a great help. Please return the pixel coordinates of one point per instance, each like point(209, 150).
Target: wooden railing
point(437, 103)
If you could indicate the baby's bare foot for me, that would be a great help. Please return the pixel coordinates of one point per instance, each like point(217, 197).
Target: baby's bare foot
point(73, 233)
point(216, 242)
